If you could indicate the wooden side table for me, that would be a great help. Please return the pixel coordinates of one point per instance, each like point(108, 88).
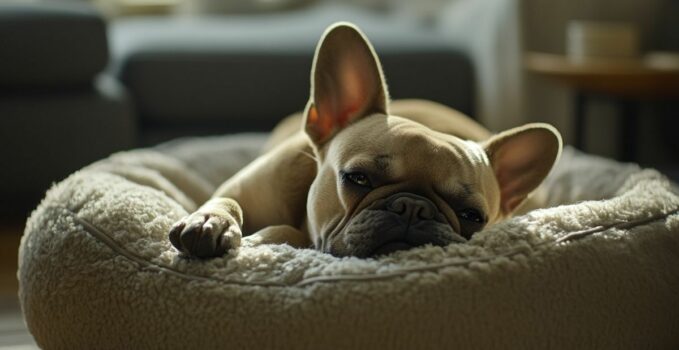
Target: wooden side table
point(628, 82)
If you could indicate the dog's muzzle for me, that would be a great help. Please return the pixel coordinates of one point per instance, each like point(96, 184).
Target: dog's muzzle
point(399, 222)
point(411, 208)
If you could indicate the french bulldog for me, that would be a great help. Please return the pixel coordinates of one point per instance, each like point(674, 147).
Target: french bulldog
point(365, 177)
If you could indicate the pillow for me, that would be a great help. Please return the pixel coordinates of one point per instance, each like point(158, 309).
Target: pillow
point(96, 270)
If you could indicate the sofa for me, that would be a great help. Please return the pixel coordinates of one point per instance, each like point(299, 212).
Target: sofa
point(76, 87)
point(229, 73)
point(56, 111)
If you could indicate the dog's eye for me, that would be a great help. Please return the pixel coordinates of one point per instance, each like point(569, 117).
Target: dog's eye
point(471, 215)
point(358, 179)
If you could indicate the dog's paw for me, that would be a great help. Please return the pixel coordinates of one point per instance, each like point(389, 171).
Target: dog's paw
point(205, 235)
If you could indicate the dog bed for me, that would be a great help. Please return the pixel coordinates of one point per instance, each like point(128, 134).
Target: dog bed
point(96, 269)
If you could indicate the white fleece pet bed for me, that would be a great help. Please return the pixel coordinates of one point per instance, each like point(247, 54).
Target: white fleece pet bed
point(96, 269)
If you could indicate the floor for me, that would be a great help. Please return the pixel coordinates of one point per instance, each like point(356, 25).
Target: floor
point(13, 332)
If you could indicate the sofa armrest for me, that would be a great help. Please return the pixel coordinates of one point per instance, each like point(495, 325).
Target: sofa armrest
point(48, 45)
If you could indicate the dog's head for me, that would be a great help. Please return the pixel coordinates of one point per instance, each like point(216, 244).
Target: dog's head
point(387, 183)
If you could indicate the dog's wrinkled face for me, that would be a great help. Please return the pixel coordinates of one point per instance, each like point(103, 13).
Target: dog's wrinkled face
point(386, 183)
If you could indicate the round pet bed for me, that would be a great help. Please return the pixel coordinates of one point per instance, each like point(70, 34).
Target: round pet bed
point(96, 269)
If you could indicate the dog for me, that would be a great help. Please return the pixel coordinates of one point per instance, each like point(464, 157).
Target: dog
point(365, 177)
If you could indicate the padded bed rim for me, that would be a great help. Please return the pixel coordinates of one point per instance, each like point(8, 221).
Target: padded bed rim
point(104, 238)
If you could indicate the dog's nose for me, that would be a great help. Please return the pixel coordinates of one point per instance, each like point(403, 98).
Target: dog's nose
point(411, 207)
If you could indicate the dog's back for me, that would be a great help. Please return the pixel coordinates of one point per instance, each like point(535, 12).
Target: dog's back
point(434, 115)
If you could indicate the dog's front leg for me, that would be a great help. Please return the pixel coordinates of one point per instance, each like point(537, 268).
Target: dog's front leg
point(270, 191)
point(210, 231)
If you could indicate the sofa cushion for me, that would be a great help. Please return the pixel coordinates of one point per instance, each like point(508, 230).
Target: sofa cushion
point(246, 72)
point(49, 44)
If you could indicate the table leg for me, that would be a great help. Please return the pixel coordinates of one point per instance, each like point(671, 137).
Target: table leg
point(629, 114)
point(580, 104)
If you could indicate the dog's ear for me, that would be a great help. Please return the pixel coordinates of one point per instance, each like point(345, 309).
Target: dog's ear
point(346, 82)
point(521, 158)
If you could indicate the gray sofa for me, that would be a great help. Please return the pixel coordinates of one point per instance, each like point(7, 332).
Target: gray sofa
point(68, 98)
point(56, 111)
point(222, 74)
